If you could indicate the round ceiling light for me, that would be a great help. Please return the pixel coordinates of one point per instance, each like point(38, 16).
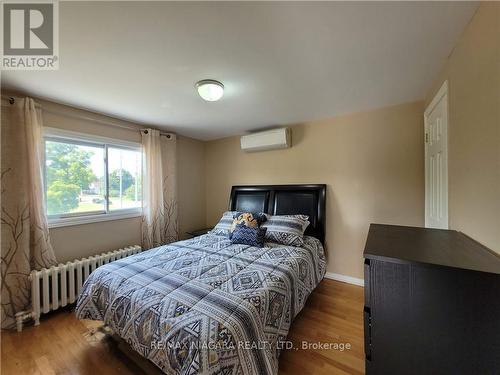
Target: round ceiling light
point(210, 90)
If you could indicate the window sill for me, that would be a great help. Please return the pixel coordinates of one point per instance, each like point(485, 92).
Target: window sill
point(70, 221)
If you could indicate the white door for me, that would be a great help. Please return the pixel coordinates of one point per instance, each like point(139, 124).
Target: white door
point(436, 160)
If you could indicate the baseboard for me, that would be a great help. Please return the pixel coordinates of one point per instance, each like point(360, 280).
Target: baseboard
point(345, 279)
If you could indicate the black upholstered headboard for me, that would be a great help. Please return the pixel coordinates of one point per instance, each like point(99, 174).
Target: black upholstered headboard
point(284, 200)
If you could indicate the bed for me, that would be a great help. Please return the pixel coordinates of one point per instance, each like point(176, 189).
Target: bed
point(206, 306)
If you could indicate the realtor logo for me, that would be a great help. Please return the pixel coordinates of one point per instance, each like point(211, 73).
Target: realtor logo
point(30, 37)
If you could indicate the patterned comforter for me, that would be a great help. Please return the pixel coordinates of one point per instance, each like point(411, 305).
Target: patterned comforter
point(204, 305)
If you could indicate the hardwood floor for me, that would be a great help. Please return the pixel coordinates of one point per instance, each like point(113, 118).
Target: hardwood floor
point(64, 345)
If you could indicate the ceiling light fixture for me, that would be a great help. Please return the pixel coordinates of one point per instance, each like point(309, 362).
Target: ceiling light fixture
point(210, 89)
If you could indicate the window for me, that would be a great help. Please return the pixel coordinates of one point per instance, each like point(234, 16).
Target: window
point(90, 178)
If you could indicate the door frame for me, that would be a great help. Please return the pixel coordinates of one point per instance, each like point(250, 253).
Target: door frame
point(442, 92)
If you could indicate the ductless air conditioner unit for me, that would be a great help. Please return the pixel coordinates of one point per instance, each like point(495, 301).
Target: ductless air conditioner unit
point(267, 140)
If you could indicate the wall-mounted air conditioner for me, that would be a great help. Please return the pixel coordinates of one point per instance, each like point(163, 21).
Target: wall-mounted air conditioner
point(267, 140)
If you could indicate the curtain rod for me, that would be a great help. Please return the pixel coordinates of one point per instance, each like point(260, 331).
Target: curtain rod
point(12, 100)
point(168, 135)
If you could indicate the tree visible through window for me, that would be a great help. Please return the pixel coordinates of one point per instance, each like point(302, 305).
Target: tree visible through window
point(76, 180)
point(124, 178)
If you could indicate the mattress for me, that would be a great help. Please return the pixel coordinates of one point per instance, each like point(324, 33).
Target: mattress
point(204, 305)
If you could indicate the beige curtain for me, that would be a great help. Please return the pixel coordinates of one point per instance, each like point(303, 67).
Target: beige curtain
point(25, 243)
point(159, 220)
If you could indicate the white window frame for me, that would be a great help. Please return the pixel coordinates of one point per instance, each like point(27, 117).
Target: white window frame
point(62, 220)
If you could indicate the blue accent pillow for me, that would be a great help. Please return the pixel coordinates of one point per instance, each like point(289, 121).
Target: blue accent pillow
point(248, 236)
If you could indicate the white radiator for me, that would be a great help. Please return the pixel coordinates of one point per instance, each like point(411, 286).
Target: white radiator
point(61, 285)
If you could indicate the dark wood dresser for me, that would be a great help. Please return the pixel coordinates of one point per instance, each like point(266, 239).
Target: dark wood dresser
point(432, 303)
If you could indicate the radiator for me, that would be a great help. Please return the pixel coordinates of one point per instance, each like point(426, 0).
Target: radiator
point(60, 285)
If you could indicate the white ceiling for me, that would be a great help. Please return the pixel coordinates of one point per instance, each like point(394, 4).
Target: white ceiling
point(281, 62)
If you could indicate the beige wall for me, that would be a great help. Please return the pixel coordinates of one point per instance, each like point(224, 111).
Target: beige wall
point(79, 241)
point(372, 163)
point(191, 184)
point(88, 239)
point(473, 74)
